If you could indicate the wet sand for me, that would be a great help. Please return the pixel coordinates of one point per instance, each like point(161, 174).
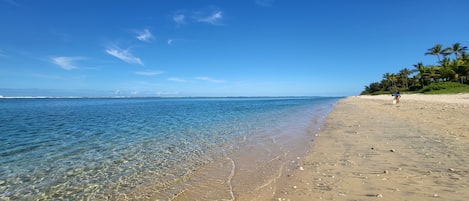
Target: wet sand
point(370, 149)
point(252, 171)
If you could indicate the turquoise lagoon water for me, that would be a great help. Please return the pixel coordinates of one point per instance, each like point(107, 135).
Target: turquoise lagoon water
point(70, 149)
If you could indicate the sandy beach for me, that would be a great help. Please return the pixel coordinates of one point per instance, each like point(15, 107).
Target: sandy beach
point(370, 149)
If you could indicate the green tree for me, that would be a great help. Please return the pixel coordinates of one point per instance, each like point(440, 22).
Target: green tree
point(372, 88)
point(422, 73)
point(386, 83)
point(457, 50)
point(447, 73)
point(390, 81)
point(434, 72)
point(447, 69)
point(464, 68)
point(436, 50)
point(460, 70)
point(404, 77)
point(465, 57)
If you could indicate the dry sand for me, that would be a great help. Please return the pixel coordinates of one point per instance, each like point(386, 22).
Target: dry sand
point(370, 149)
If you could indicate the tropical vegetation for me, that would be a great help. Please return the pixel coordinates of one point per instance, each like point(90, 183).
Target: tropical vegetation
point(449, 75)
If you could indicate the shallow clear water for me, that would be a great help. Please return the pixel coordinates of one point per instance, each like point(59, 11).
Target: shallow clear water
point(99, 148)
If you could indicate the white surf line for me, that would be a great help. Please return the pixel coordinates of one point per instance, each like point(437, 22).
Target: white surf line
point(272, 180)
point(230, 178)
point(277, 177)
point(273, 159)
point(178, 194)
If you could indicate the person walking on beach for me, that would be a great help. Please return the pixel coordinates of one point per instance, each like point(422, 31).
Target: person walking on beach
point(397, 96)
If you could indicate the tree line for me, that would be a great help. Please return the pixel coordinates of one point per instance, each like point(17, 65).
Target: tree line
point(452, 66)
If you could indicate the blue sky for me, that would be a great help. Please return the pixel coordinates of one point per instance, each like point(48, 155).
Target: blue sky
point(217, 47)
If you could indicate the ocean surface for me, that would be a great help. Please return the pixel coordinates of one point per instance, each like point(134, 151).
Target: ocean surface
point(96, 149)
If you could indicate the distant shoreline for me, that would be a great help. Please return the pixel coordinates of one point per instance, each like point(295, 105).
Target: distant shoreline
point(156, 97)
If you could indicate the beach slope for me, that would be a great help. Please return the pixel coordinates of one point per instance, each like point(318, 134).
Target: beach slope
point(370, 149)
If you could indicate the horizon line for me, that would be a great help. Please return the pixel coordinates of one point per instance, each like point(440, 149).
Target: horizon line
point(162, 97)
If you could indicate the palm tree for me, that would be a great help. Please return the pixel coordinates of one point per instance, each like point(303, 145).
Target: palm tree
point(385, 81)
point(404, 77)
point(463, 72)
point(465, 57)
point(390, 81)
point(456, 49)
point(436, 50)
point(435, 73)
point(422, 73)
point(460, 70)
point(419, 67)
point(393, 80)
point(445, 71)
point(445, 62)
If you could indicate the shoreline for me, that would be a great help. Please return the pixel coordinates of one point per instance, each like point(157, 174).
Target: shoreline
point(253, 169)
point(370, 149)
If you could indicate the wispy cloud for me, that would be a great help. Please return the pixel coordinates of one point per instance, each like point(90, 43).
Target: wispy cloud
point(124, 55)
point(214, 17)
point(66, 63)
point(208, 79)
point(177, 41)
point(179, 18)
point(149, 73)
point(144, 35)
point(175, 79)
point(211, 15)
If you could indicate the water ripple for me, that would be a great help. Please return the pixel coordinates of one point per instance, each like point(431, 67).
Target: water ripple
point(100, 148)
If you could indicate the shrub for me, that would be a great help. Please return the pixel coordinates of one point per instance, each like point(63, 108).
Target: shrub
point(445, 87)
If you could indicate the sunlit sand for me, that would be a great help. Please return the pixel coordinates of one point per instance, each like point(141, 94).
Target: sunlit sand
point(371, 149)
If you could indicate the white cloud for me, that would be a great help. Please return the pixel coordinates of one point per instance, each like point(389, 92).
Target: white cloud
point(213, 18)
point(66, 63)
point(208, 79)
point(175, 79)
point(124, 55)
point(180, 19)
point(144, 35)
point(149, 73)
point(176, 41)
